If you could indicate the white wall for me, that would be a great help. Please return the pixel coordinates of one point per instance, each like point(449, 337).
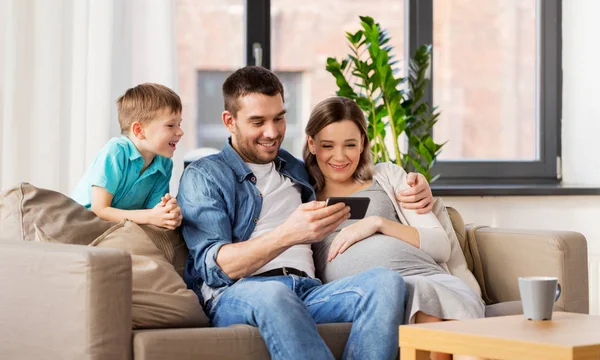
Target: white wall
point(581, 156)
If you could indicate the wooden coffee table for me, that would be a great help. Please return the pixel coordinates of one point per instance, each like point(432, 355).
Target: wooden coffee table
point(566, 336)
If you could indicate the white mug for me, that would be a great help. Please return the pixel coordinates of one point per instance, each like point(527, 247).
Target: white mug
point(538, 295)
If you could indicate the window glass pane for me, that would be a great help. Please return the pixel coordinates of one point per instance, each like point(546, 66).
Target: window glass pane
point(485, 79)
point(305, 33)
point(212, 132)
point(210, 45)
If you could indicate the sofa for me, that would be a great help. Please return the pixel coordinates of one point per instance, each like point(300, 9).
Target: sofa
point(65, 301)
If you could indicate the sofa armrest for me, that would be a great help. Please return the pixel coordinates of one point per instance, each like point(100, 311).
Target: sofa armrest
point(64, 302)
point(507, 254)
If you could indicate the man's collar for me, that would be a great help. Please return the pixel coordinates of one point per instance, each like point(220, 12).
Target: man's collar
point(237, 164)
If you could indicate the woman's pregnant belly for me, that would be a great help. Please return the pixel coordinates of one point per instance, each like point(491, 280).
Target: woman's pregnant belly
point(376, 251)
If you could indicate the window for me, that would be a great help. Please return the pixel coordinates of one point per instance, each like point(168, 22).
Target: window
point(496, 78)
point(496, 74)
point(211, 132)
point(292, 38)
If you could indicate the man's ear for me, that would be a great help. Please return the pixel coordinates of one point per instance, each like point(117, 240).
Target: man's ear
point(228, 120)
point(137, 130)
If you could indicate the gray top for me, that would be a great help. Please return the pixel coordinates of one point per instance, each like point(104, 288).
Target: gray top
point(376, 250)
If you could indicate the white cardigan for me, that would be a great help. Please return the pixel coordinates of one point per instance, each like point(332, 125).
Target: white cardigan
point(434, 240)
point(440, 243)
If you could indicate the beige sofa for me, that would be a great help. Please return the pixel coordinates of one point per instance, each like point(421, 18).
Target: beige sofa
point(74, 302)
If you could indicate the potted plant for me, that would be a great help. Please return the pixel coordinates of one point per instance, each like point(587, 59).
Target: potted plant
point(391, 103)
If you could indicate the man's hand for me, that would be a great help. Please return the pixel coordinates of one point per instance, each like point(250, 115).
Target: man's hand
point(418, 196)
point(352, 234)
point(312, 221)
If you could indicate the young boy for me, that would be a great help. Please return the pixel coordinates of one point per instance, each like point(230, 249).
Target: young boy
point(129, 178)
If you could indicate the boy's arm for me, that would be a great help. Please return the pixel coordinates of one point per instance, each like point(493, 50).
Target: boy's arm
point(159, 215)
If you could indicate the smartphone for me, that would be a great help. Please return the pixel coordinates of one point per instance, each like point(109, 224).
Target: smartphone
point(358, 205)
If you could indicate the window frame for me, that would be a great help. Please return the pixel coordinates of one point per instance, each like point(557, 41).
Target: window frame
point(546, 170)
point(419, 30)
point(258, 30)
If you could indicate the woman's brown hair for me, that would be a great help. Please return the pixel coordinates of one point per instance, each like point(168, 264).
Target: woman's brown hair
point(330, 111)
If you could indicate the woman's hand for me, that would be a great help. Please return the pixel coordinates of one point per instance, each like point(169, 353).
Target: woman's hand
point(352, 234)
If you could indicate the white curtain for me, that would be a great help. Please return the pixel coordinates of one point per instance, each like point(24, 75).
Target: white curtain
point(63, 64)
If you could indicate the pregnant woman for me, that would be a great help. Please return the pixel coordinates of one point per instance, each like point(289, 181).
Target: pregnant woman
point(337, 155)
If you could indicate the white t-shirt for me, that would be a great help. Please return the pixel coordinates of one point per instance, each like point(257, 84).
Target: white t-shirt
point(280, 198)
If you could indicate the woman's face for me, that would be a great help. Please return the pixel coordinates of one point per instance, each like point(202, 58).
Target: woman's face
point(337, 147)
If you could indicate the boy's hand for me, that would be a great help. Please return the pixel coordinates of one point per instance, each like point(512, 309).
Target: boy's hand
point(166, 216)
point(176, 210)
point(166, 200)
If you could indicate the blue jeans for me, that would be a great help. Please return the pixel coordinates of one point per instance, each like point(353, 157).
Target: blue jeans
point(286, 310)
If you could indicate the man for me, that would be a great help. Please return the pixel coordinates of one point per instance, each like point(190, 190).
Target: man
point(249, 219)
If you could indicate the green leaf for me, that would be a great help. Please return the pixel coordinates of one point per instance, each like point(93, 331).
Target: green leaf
point(367, 19)
point(371, 75)
point(424, 152)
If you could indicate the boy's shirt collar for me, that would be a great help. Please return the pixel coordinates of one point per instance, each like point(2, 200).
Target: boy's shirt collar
point(158, 164)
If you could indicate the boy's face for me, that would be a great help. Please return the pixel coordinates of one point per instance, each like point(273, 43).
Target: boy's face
point(162, 133)
point(258, 129)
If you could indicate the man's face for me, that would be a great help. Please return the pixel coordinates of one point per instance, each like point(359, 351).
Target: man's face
point(258, 129)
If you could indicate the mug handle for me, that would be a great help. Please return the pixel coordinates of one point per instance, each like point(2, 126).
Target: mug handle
point(558, 292)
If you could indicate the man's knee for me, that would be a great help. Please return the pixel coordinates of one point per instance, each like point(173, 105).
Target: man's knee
point(383, 280)
point(268, 294)
point(382, 276)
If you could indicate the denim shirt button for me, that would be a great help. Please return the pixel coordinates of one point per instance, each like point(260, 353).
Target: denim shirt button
point(253, 179)
point(255, 220)
point(260, 194)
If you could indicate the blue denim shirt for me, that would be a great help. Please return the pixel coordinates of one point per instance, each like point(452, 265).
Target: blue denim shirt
point(221, 205)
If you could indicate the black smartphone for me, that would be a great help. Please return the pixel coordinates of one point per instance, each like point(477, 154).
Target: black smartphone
point(358, 205)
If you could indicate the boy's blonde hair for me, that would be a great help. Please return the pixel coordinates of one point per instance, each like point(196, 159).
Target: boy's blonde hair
point(141, 103)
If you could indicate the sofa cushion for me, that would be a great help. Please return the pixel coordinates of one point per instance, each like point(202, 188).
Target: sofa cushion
point(171, 243)
point(457, 265)
point(470, 251)
point(24, 207)
point(233, 342)
point(458, 225)
point(160, 298)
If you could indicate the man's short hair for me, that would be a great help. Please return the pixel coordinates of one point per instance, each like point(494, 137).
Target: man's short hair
point(141, 103)
point(249, 80)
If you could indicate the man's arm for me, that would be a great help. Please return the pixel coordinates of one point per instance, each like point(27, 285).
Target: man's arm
point(418, 197)
point(207, 231)
point(309, 223)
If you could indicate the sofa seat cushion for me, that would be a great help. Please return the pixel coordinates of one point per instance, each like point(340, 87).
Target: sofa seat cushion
point(504, 309)
point(233, 342)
